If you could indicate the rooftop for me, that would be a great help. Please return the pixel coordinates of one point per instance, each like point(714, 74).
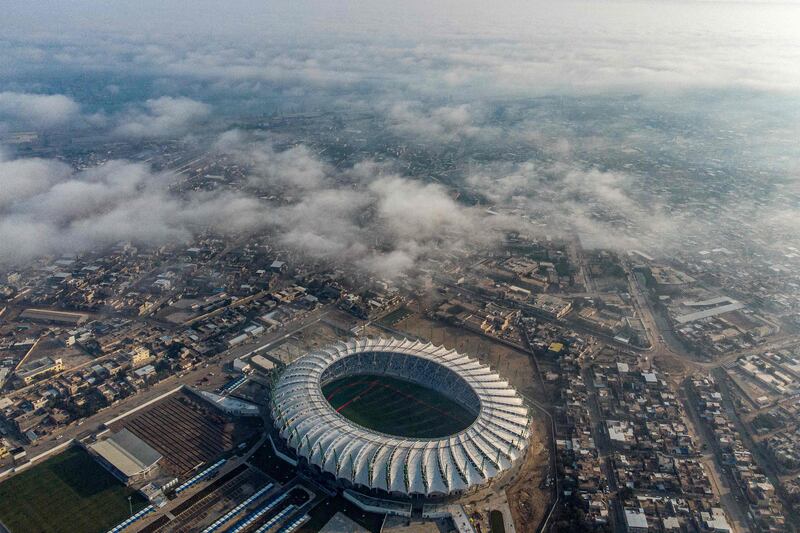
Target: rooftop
point(127, 453)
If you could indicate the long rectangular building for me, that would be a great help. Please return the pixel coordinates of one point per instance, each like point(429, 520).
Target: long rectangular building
point(58, 317)
point(126, 456)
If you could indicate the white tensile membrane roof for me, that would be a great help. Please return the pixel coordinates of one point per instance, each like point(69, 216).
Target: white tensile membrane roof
point(361, 456)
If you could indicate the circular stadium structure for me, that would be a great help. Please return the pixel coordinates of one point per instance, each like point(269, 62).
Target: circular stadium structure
point(402, 416)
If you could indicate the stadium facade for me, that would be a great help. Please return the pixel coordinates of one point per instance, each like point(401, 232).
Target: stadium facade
point(364, 458)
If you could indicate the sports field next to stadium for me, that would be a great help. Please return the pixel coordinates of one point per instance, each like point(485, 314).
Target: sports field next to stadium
point(396, 407)
point(68, 493)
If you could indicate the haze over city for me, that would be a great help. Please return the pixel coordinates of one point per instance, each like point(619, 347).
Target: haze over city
point(592, 207)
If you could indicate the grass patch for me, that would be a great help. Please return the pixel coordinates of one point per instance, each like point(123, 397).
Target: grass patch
point(396, 407)
point(68, 493)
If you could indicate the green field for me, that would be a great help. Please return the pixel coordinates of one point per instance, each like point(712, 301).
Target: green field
point(68, 493)
point(396, 407)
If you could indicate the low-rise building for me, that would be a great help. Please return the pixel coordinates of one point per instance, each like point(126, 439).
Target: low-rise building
point(38, 367)
point(126, 456)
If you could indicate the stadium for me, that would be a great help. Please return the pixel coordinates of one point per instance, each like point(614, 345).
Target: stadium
point(400, 416)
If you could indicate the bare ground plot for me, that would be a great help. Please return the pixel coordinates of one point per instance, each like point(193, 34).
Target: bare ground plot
point(674, 368)
point(523, 488)
point(180, 311)
point(312, 338)
point(528, 498)
point(71, 356)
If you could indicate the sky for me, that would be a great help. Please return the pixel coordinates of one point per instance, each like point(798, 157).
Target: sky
point(576, 84)
point(537, 47)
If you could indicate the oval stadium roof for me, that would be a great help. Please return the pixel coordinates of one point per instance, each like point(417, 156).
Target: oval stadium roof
point(361, 456)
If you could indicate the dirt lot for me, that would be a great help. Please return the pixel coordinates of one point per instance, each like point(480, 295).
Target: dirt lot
point(528, 499)
point(72, 356)
point(522, 488)
point(312, 338)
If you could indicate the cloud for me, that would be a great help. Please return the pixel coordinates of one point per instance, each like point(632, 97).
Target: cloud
point(37, 110)
point(161, 117)
point(570, 117)
point(59, 210)
point(423, 49)
point(295, 167)
point(24, 178)
point(419, 211)
point(443, 124)
point(599, 205)
point(366, 217)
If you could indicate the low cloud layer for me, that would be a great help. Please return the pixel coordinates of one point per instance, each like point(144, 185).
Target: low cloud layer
point(443, 48)
point(439, 124)
point(37, 110)
point(48, 208)
point(599, 206)
point(383, 223)
point(161, 117)
point(155, 118)
point(572, 116)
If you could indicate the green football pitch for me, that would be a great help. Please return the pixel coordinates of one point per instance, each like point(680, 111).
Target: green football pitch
point(396, 407)
point(68, 493)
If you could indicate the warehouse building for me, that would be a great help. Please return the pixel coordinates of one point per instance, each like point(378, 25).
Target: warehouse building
point(126, 456)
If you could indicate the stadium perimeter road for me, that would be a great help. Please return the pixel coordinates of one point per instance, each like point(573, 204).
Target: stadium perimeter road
point(94, 424)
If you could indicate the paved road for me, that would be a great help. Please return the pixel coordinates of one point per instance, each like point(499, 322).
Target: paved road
point(736, 508)
point(95, 423)
point(729, 491)
point(757, 452)
point(656, 333)
point(605, 451)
